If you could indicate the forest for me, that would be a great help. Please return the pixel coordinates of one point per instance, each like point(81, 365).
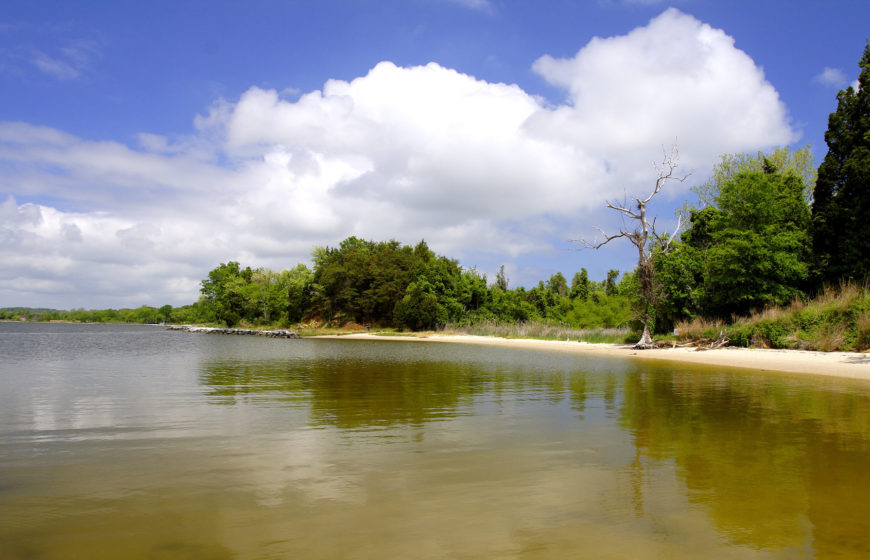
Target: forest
point(767, 231)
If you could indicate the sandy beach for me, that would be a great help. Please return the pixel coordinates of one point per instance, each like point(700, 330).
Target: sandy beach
point(838, 364)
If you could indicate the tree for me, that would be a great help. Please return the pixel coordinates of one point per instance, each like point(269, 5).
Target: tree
point(646, 240)
point(610, 282)
point(501, 281)
point(800, 162)
point(419, 308)
point(165, 312)
point(225, 292)
point(747, 251)
point(298, 285)
point(842, 194)
point(558, 285)
point(580, 285)
point(759, 252)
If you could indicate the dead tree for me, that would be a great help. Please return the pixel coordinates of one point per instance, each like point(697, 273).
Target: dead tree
point(645, 238)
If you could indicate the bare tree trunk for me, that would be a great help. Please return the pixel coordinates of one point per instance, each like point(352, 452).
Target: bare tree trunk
point(646, 342)
point(641, 236)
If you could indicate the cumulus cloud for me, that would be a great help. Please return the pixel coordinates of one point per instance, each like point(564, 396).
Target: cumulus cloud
point(675, 78)
point(401, 152)
point(831, 77)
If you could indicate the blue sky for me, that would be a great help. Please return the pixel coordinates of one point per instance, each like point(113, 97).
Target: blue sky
point(143, 143)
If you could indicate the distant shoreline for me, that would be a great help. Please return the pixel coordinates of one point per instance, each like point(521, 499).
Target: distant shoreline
point(852, 365)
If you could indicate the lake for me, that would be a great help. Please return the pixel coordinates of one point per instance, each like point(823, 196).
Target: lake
point(138, 442)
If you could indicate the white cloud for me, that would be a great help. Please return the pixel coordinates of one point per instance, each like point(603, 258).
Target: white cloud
point(69, 62)
point(831, 77)
point(676, 78)
point(59, 69)
point(406, 153)
point(479, 5)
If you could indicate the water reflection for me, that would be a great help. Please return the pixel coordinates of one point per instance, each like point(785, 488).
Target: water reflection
point(770, 459)
point(356, 394)
point(234, 447)
point(774, 461)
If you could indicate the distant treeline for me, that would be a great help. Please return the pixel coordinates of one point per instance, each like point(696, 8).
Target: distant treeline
point(140, 315)
point(380, 284)
point(388, 284)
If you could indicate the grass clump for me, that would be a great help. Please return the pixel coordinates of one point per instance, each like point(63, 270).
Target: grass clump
point(837, 319)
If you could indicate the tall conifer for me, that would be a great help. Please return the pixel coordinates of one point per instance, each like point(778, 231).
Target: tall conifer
point(841, 201)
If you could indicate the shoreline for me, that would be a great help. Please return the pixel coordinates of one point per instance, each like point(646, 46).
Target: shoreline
point(852, 365)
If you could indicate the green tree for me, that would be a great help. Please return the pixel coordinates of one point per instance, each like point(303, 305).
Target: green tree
point(580, 285)
point(841, 228)
point(501, 281)
point(419, 308)
point(558, 285)
point(759, 242)
point(800, 162)
point(225, 292)
point(165, 313)
point(299, 286)
point(610, 282)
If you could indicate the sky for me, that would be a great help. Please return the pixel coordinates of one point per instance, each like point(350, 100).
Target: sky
point(142, 143)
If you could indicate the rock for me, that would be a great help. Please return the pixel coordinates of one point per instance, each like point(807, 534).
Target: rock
point(278, 333)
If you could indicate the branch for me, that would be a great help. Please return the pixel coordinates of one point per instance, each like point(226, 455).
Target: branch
point(607, 239)
point(666, 170)
point(622, 209)
point(666, 243)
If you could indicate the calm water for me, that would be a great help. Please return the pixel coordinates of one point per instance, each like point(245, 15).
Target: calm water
point(137, 442)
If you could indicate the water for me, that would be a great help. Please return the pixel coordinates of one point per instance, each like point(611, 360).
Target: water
point(136, 442)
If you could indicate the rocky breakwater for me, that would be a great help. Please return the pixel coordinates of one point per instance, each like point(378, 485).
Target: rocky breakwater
point(280, 333)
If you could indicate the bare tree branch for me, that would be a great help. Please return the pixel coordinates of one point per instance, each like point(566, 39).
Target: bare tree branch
point(644, 230)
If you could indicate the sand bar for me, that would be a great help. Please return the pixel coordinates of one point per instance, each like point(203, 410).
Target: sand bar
point(838, 364)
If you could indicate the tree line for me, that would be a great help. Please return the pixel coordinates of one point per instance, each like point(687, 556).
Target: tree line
point(389, 284)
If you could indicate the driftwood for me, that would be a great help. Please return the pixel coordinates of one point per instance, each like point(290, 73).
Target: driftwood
point(721, 341)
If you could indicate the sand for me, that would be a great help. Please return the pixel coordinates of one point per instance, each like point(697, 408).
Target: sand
point(838, 364)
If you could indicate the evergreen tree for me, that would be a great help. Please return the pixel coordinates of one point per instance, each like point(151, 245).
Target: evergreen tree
point(841, 228)
point(558, 285)
point(610, 283)
point(580, 285)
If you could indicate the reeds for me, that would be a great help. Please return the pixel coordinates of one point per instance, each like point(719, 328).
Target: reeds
point(541, 330)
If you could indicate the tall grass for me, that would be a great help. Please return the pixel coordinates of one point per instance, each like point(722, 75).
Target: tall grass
point(543, 331)
point(838, 318)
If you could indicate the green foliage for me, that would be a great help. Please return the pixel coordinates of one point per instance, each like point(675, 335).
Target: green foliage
point(501, 281)
point(379, 283)
point(609, 311)
point(799, 162)
point(842, 194)
point(419, 308)
point(838, 319)
point(759, 251)
point(580, 285)
point(610, 282)
point(747, 252)
point(558, 285)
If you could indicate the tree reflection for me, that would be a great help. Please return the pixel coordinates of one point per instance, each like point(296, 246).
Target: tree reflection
point(354, 394)
point(763, 455)
point(772, 460)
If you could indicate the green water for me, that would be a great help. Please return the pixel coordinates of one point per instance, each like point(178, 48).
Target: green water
point(136, 442)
